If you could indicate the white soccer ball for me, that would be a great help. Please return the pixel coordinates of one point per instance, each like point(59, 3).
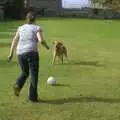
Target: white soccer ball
point(51, 81)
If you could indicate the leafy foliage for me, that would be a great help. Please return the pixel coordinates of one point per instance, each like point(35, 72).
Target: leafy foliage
point(112, 4)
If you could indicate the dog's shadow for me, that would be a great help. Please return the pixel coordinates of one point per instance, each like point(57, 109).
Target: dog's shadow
point(84, 63)
point(80, 99)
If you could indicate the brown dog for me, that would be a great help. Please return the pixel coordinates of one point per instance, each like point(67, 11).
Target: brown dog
point(59, 51)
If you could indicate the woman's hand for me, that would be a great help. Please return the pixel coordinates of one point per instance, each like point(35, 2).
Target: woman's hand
point(10, 57)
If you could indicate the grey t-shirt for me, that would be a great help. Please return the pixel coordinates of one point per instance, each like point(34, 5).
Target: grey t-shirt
point(27, 38)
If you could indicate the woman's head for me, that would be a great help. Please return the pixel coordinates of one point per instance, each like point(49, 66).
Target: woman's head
point(30, 17)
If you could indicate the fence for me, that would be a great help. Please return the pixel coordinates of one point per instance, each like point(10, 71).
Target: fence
point(88, 9)
point(72, 8)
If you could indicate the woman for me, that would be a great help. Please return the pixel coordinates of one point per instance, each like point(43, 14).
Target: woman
point(26, 39)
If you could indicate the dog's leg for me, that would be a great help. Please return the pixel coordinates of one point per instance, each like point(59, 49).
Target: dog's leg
point(61, 58)
point(54, 57)
point(66, 55)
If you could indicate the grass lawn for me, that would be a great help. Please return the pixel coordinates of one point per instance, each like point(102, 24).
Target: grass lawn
point(89, 84)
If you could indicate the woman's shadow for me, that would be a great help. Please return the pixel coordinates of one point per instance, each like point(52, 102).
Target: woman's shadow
point(80, 99)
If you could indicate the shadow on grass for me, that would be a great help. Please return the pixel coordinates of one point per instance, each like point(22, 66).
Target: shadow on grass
point(5, 64)
point(81, 99)
point(85, 63)
point(61, 85)
point(5, 44)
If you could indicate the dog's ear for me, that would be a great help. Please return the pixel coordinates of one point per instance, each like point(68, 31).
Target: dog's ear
point(53, 42)
point(60, 41)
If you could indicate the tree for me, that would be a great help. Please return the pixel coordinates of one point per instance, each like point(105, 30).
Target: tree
point(14, 9)
point(110, 4)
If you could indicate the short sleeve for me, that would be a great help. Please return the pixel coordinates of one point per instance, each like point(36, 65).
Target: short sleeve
point(39, 29)
point(18, 29)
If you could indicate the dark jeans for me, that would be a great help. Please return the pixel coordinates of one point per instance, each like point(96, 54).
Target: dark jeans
point(29, 62)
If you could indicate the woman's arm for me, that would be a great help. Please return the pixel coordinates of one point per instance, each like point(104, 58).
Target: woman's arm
point(13, 45)
point(41, 39)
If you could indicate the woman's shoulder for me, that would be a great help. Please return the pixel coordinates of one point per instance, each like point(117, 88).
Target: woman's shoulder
point(22, 25)
point(37, 25)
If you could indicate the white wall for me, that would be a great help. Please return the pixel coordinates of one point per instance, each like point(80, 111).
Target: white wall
point(75, 3)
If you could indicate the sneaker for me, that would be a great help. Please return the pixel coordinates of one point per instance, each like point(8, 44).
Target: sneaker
point(16, 90)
